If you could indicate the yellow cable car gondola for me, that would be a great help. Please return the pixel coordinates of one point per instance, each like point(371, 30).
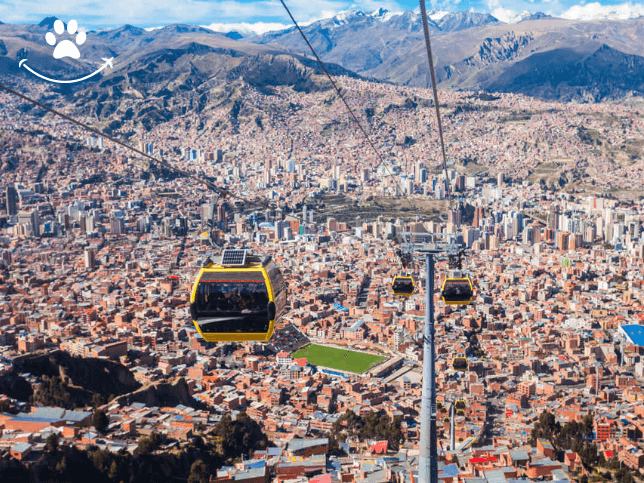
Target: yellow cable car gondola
point(239, 298)
point(457, 291)
point(403, 285)
point(460, 363)
point(460, 405)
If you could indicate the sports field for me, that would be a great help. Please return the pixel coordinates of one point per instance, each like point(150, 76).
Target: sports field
point(340, 359)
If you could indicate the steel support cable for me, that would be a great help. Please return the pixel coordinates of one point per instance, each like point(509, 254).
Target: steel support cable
point(210, 185)
point(423, 12)
point(346, 104)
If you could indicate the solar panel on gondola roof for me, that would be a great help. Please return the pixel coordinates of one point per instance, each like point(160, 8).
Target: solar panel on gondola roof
point(233, 258)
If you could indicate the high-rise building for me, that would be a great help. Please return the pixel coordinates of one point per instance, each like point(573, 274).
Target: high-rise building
point(454, 216)
point(117, 226)
point(562, 240)
point(90, 259)
point(35, 222)
point(399, 336)
point(222, 217)
point(478, 216)
point(459, 184)
point(553, 220)
point(12, 200)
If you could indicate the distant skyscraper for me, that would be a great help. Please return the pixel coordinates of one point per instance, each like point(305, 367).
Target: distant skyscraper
point(90, 259)
point(459, 185)
point(12, 200)
point(35, 222)
point(562, 240)
point(117, 226)
point(478, 216)
point(454, 216)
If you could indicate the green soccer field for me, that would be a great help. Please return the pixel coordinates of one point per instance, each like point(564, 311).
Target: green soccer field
point(341, 359)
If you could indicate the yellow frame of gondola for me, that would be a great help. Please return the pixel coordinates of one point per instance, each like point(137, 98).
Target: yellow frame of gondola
point(457, 279)
point(235, 336)
point(401, 294)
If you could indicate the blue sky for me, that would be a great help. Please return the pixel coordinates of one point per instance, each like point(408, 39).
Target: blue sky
point(225, 15)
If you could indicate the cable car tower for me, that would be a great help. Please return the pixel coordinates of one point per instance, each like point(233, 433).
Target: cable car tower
point(431, 251)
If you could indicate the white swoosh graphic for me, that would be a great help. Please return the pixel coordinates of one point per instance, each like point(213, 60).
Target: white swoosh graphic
point(107, 62)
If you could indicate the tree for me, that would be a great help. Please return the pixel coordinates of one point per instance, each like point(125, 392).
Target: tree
point(101, 460)
point(150, 443)
point(588, 423)
point(240, 436)
point(113, 471)
point(623, 475)
point(198, 473)
point(100, 421)
point(61, 467)
point(334, 446)
point(52, 443)
point(97, 400)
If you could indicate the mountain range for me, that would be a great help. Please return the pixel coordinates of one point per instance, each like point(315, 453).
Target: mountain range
point(476, 51)
point(161, 73)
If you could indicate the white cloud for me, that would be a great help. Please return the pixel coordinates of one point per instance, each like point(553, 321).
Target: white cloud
point(596, 11)
point(151, 13)
point(504, 14)
point(246, 28)
point(509, 16)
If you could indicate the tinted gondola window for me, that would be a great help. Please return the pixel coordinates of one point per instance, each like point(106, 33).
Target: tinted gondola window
point(231, 298)
point(457, 291)
point(403, 286)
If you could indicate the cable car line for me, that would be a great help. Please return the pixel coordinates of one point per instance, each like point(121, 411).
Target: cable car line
point(335, 86)
point(217, 189)
point(423, 11)
point(222, 191)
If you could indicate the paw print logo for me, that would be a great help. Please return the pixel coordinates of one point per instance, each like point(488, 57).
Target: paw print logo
point(66, 48)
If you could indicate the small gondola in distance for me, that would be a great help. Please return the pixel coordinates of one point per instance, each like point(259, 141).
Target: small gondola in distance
point(403, 285)
point(460, 363)
point(240, 298)
point(457, 291)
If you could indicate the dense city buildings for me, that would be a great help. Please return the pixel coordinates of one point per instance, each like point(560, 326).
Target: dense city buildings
point(98, 253)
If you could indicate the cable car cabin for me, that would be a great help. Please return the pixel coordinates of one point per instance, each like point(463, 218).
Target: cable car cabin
point(403, 286)
point(457, 291)
point(459, 405)
point(460, 363)
point(240, 298)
